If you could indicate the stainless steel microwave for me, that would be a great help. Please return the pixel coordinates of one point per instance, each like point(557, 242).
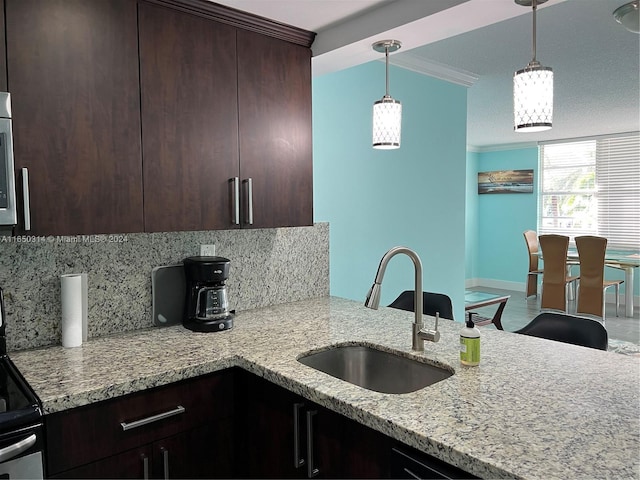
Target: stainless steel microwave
point(8, 206)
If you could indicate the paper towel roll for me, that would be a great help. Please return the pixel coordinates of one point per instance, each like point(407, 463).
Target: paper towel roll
point(74, 308)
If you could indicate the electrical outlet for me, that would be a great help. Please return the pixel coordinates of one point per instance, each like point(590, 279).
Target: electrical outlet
point(208, 250)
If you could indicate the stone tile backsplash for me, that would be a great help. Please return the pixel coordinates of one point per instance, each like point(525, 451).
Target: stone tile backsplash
point(268, 267)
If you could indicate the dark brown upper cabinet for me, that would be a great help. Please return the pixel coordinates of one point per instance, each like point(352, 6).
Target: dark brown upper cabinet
point(226, 125)
point(73, 77)
point(189, 119)
point(274, 100)
point(3, 52)
point(158, 115)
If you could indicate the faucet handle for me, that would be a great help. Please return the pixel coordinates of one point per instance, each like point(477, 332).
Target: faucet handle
point(431, 335)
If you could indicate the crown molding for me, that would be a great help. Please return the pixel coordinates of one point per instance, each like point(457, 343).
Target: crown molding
point(240, 19)
point(505, 146)
point(441, 71)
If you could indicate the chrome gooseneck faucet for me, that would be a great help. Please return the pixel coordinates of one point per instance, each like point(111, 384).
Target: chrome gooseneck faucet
point(373, 297)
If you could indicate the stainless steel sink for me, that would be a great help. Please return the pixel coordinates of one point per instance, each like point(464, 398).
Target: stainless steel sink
point(375, 369)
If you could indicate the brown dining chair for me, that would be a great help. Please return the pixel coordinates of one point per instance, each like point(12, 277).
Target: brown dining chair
point(593, 286)
point(531, 239)
point(555, 279)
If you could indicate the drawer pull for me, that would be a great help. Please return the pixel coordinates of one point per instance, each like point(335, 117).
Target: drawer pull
point(249, 182)
point(25, 199)
point(165, 463)
point(311, 470)
point(297, 460)
point(145, 467)
point(153, 418)
point(235, 201)
point(411, 474)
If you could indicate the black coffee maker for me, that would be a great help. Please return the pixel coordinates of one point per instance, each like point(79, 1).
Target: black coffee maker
point(206, 305)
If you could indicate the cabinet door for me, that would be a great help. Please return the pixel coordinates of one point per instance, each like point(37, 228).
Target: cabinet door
point(406, 462)
point(266, 440)
point(189, 120)
point(73, 76)
point(93, 432)
point(274, 96)
point(205, 452)
point(325, 447)
point(134, 463)
point(327, 444)
point(368, 455)
point(3, 51)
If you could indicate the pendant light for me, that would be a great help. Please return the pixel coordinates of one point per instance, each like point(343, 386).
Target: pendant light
point(387, 113)
point(627, 16)
point(533, 89)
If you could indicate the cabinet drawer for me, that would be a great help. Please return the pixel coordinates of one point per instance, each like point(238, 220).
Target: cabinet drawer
point(407, 462)
point(86, 434)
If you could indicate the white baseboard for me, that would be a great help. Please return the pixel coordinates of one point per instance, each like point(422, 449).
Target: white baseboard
point(520, 287)
point(501, 284)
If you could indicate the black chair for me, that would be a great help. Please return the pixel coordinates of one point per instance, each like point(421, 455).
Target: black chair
point(567, 329)
point(431, 303)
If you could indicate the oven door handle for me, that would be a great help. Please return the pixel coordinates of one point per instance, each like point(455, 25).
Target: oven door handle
point(17, 448)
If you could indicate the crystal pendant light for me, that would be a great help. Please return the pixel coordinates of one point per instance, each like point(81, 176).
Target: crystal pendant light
point(387, 113)
point(533, 89)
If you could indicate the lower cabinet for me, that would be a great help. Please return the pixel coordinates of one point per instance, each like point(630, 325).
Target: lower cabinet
point(130, 464)
point(229, 424)
point(182, 430)
point(267, 439)
point(197, 453)
point(283, 435)
point(205, 452)
point(409, 463)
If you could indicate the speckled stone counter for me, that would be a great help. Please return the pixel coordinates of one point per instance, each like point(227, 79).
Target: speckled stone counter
point(268, 267)
point(532, 409)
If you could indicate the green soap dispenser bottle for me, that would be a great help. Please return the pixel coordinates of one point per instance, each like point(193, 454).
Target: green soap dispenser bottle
point(470, 343)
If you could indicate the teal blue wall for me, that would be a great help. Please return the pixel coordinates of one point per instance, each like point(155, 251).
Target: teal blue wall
point(495, 251)
point(471, 217)
point(501, 218)
point(374, 199)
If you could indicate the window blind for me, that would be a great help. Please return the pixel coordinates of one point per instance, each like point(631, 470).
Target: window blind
point(618, 190)
point(592, 187)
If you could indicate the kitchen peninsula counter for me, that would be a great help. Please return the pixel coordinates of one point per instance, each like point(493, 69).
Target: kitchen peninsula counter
point(531, 409)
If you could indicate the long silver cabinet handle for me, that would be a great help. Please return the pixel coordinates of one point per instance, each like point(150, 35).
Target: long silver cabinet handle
point(154, 418)
point(25, 199)
point(17, 448)
point(433, 471)
point(165, 462)
point(410, 473)
point(249, 182)
point(145, 467)
point(235, 201)
point(311, 470)
point(297, 461)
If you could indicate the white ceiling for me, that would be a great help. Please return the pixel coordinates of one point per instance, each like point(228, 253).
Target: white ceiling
point(480, 43)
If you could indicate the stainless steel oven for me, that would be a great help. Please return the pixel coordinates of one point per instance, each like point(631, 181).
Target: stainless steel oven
point(21, 430)
point(8, 207)
point(21, 453)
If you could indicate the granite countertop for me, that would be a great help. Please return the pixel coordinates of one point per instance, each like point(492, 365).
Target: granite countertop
point(532, 409)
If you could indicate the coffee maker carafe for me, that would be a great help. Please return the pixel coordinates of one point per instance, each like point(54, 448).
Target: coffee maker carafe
point(206, 305)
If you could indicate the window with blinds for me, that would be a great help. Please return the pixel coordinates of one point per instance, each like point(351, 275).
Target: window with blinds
point(592, 187)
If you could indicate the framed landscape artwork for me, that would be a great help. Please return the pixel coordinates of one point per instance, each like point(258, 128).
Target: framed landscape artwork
point(505, 181)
